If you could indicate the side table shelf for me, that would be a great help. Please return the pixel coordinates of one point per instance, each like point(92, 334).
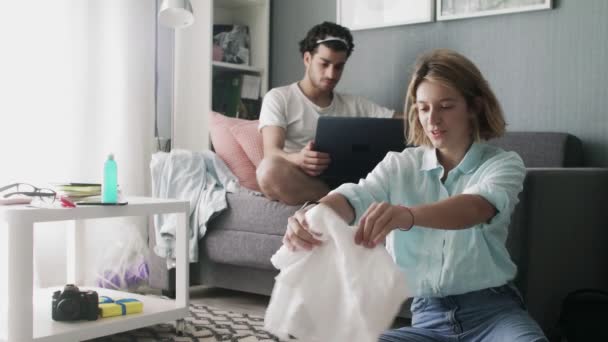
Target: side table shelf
point(29, 317)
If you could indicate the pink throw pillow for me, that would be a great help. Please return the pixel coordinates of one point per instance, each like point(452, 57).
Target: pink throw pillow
point(227, 148)
point(250, 139)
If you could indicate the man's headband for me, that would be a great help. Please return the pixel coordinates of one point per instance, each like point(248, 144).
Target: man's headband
point(332, 38)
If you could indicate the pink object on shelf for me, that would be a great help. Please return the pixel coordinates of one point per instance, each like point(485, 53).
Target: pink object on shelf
point(218, 53)
point(66, 203)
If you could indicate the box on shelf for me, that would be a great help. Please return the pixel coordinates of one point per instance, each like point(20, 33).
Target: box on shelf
point(236, 95)
point(120, 307)
point(227, 94)
point(250, 109)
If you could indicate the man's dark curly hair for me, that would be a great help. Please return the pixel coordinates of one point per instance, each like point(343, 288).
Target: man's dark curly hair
point(321, 31)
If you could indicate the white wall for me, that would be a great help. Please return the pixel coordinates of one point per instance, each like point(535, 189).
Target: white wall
point(77, 83)
point(547, 68)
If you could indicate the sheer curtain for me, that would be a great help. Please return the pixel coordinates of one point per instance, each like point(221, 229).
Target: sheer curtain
point(77, 83)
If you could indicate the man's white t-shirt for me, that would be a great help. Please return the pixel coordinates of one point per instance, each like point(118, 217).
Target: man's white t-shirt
point(289, 108)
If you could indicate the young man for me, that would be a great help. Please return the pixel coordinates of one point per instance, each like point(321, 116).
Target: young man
point(291, 168)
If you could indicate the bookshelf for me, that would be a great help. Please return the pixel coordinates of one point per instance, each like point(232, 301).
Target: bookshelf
point(228, 79)
point(228, 67)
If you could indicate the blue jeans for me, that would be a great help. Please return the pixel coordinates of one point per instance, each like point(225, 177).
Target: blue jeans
point(494, 315)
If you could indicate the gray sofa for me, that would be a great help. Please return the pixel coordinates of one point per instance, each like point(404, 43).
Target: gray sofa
point(558, 235)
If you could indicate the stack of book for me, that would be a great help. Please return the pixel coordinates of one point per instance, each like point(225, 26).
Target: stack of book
point(79, 192)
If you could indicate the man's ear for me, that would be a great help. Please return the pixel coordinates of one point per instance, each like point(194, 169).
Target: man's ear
point(307, 58)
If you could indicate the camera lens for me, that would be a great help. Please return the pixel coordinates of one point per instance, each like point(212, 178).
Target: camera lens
point(69, 308)
point(71, 288)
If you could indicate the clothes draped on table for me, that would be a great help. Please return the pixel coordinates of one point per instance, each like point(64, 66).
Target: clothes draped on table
point(339, 291)
point(201, 178)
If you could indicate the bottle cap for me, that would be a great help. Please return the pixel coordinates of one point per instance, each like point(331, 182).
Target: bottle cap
point(111, 156)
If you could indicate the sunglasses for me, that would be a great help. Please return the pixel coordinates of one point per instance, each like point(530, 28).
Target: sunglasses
point(25, 189)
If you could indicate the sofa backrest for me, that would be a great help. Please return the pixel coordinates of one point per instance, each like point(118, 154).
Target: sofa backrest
point(543, 149)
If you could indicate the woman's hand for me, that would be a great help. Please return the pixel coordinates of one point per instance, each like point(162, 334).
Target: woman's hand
point(298, 235)
point(379, 220)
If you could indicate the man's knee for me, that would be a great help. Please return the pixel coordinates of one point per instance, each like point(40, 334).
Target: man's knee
point(269, 174)
point(282, 181)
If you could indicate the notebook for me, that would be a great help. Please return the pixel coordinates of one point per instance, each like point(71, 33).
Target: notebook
point(356, 145)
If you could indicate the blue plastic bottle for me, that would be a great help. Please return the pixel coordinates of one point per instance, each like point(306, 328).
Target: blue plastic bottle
point(109, 190)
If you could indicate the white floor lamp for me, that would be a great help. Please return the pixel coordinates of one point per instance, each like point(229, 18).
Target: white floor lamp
point(176, 13)
point(173, 14)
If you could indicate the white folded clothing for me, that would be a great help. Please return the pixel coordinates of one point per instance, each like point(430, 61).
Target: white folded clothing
point(339, 291)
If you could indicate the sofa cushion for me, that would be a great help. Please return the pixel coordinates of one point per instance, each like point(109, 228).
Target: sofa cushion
point(254, 214)
point(250, 139)
point(248, 233)
point(543, 149)
point(240, 248)
point(229, 150)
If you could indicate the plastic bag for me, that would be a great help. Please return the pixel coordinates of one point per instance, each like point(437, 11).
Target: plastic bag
point(124, 266)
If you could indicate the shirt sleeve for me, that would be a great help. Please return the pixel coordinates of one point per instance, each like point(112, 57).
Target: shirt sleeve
point(372, 109)
point(273, 111)
point(500, 183)
point(374, 188)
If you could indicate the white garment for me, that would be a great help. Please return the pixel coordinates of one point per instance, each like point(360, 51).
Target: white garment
point(339, 291)
point(289, 108)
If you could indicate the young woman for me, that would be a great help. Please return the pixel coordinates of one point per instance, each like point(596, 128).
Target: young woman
point(443, 209)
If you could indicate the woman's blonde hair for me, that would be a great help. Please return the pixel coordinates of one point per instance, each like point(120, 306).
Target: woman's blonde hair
point(451, 69)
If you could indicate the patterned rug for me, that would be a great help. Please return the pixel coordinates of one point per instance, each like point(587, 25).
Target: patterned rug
point(205, 324)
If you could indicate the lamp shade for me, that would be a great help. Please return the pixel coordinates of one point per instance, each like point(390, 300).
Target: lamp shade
point(175, 13)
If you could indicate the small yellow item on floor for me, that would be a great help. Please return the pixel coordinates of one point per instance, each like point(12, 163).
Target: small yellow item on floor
point(109, 307)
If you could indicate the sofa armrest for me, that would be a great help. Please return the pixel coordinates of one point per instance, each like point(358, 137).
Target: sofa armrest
point(565, 222)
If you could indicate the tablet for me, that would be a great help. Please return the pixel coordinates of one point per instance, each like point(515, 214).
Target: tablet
point(357, 144)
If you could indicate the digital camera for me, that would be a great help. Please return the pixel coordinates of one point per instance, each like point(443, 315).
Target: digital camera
point(73, 304)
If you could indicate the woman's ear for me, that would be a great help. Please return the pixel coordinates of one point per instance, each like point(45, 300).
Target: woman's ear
point(475, 115)
point(477, 105)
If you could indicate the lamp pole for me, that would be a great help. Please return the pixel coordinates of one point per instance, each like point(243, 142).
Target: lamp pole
point(173, 14)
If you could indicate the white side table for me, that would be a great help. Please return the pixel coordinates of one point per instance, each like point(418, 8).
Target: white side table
point(29, 310)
